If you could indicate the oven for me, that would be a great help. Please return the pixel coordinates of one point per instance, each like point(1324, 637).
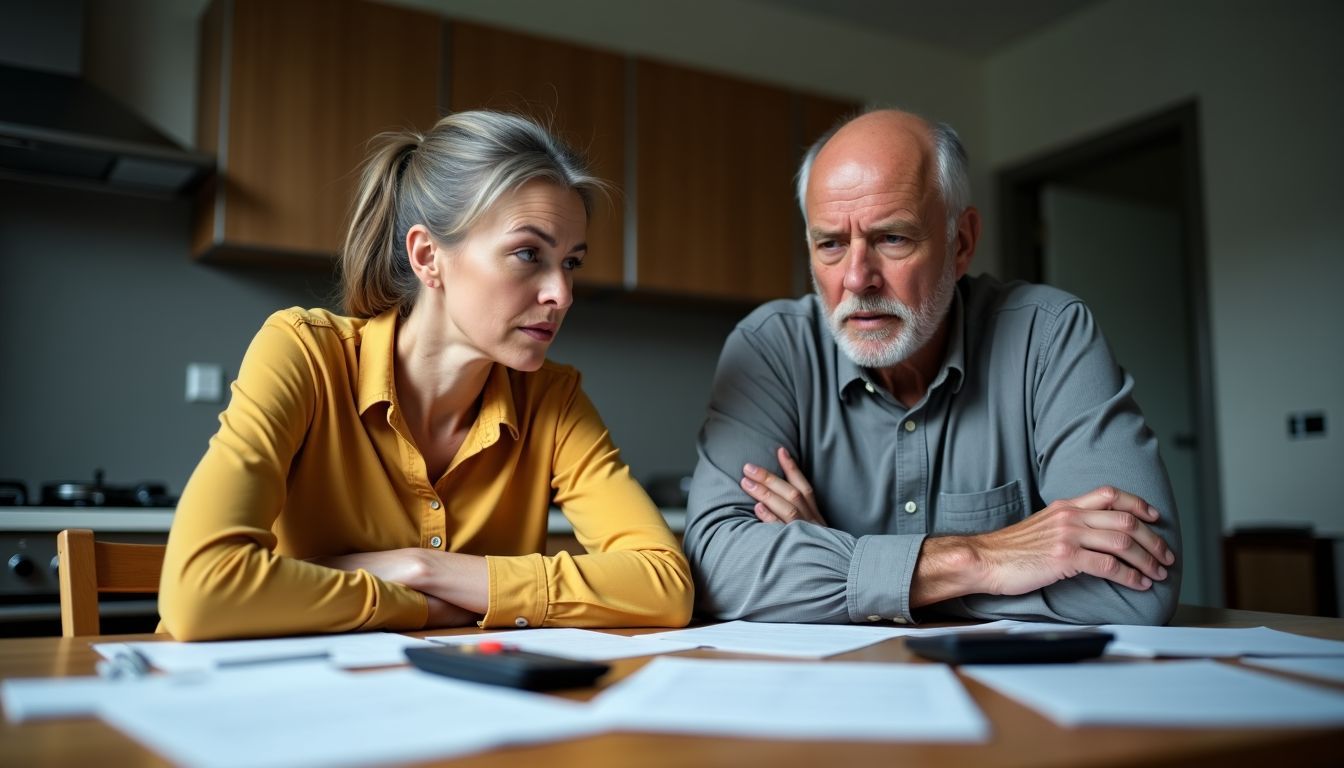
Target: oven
point(29, 589)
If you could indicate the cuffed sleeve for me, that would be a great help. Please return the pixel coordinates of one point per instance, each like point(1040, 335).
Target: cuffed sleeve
point(880, 574)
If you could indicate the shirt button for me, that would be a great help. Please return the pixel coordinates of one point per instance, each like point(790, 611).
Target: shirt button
point(434, 504)
point(435, 542)
point(910, 426)
point(911, 506)
point(899, 620)
point(871, 389)
point(520, 622)
point(874, 618)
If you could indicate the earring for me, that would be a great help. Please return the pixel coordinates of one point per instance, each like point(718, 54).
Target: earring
point(431, 283)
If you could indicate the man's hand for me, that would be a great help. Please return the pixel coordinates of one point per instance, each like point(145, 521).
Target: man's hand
point(781, 500)
point(1103, 533)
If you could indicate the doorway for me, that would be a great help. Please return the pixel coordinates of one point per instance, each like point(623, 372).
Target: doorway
point(1117, 219)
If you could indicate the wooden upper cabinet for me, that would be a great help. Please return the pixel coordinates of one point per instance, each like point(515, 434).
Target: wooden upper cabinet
point(714, 169)
point(579, 93)
point(290, 94)
point(818, 114)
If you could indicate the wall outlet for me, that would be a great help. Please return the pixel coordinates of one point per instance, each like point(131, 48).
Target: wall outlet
point(205, 383)
point(1306, 424)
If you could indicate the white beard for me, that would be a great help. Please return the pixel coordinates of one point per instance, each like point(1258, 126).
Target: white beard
point(885, 347)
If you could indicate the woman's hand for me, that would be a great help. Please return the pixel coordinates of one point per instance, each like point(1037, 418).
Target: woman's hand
point(407, 566)
point(445, 614)
point(460, 580)
point(781, 500)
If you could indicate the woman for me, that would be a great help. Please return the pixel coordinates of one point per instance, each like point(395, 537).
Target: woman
point(394, 469)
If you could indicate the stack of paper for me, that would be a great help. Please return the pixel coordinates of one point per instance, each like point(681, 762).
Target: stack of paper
point(803, 640)
point(794, 700)
point(1168, 694)
point(312, 715)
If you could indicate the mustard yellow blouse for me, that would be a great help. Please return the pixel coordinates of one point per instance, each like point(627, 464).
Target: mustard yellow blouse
point(313, 458)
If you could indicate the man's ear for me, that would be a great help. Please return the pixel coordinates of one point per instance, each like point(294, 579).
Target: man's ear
point(421, 249)
point(968, 235)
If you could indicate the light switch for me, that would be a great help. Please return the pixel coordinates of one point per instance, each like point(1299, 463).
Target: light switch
point(205, 383)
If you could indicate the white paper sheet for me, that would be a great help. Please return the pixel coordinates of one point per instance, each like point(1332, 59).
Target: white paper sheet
point(298, 718)
point(581, 644)
point(1199, 693)
point(365, 649)
point(48, 698)
point(1325, 667)
point(812, 641)
point(794, 700)
point(1214, 642)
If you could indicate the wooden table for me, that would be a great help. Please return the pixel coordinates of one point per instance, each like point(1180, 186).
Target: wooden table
point(1020, 736)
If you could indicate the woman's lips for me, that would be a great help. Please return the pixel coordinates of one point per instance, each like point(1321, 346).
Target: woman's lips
point(541, 331)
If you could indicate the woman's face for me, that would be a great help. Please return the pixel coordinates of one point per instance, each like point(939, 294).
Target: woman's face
point(509, 283)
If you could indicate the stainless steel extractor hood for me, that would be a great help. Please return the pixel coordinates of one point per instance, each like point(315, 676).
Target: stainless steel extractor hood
point(58, 128)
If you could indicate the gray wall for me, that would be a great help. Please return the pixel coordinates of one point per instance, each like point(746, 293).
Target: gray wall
point(101, 310)
point(1266, 77)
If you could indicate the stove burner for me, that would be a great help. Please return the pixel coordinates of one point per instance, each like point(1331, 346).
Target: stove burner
point(99, 494)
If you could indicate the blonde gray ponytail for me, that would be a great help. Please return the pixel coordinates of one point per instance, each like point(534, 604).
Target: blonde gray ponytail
point(446, 180)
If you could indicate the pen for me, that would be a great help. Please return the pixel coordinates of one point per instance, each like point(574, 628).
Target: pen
point(127, 662)
point(248, 662)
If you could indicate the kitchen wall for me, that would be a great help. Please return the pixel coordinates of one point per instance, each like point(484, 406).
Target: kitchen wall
point(1266, 77)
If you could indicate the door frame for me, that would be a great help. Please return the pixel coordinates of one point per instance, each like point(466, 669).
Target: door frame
point(1021, 251)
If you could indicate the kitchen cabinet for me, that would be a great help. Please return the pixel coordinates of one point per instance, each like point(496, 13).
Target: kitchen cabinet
point(289, 95)
point(578, 92)
point(714, 166)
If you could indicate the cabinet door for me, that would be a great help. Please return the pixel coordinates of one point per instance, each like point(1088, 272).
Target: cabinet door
point(302, 86)
point(715, 162)
point(816, 115)
point(578, 92)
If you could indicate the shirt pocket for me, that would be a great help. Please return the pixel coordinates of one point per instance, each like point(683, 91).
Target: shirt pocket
point(979, 512)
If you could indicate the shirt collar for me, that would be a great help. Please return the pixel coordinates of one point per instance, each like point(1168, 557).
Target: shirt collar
point(376, 380)
point(375, 360)
point(497, 407)
point(850, 373)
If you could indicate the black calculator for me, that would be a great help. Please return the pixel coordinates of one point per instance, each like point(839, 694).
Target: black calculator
point(993, 647)
point(499, 664)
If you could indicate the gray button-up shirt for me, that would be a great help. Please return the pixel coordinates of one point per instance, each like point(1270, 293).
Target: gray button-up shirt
point(1028, 407)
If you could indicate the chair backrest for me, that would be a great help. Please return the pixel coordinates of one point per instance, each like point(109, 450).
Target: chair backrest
point(88, 567)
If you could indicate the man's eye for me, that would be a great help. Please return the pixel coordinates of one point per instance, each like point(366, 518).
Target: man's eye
point(528, 255)
point(827, 245)
point(895, 239)
point(572, 263)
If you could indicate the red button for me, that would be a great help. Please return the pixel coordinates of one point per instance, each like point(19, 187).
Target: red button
point(490, 646)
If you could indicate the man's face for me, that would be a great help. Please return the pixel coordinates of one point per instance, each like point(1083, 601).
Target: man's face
point(881, 258)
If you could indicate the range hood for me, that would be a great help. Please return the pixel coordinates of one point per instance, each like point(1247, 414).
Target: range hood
point(57, 128)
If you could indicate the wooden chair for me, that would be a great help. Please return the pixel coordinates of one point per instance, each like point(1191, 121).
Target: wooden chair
point(88, 567)
point(1284, 570)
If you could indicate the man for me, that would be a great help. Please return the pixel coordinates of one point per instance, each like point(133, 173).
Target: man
point(962, 446)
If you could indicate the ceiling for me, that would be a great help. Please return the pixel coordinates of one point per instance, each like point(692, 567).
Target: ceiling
point(974, 28)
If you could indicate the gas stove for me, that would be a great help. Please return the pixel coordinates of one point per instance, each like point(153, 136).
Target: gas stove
point(149, 494)
point(29, 590)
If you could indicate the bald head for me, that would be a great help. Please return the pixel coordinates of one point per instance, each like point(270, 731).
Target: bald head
point(893, 143)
